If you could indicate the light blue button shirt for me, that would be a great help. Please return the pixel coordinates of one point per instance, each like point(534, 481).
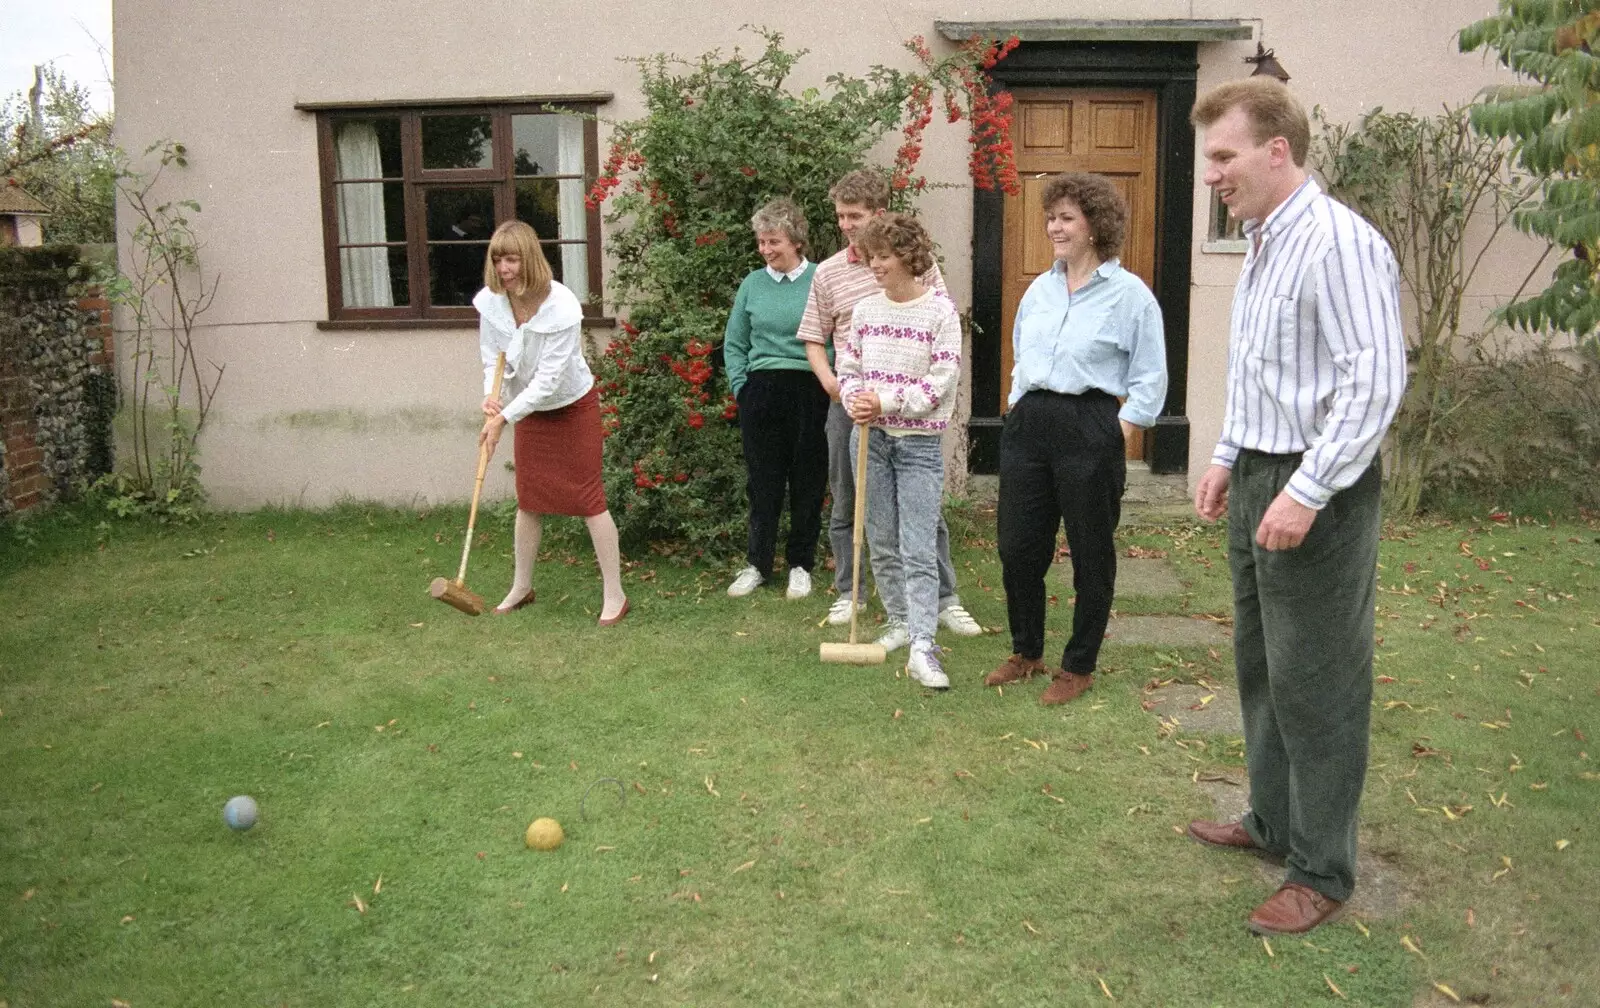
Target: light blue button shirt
point(1107, 335)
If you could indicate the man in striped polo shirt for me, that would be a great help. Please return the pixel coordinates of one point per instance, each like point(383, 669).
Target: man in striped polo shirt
point(1316, 372)
point(841, 281)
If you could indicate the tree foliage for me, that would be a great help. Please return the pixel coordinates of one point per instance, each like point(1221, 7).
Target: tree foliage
point(1555, 125)
point(66, 160)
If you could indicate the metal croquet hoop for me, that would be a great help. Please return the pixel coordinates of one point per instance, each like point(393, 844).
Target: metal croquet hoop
point(622, 794)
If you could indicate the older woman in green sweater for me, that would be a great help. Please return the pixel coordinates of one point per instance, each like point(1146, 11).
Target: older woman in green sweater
point(783, 409)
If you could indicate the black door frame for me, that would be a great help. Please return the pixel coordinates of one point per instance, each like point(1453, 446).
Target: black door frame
point(1169, 69)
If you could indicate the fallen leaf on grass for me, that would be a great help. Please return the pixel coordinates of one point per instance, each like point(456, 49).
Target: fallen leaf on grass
point(1361, 927)
point(711, 787)
point(1447, 992)
point(1472, 918)
point(1268, 946)
point(1030, 927)
point(748, 864)
point(377, 887)
point(28, 895)
point(119, 1003)
point(1103, 988)
point(602, 850)
point(358, 903)
point(1332, 986)
point(1563, 844)
point(127, 919)
point(1411, 946)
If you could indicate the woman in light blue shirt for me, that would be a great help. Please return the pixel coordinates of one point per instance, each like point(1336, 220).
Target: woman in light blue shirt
point(1088, 333)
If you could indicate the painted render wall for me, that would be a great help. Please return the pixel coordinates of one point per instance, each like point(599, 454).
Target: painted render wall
point(311, 416)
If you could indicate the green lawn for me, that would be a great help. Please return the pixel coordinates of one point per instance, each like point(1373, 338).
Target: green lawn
point(794, 833)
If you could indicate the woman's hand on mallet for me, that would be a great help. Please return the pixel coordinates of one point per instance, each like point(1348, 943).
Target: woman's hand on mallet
point(489, 437)
point(491, 406)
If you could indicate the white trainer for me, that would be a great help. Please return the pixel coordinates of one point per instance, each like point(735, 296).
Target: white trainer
point(799, 583)
point(955, 618)
point(748, 581)
point(894, 637)
point(924, 666)
point(839, 612)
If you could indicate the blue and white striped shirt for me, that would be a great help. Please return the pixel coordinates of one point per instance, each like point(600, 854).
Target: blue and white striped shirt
point(1316, 355)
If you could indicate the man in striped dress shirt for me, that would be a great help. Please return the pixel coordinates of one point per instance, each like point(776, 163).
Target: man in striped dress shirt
point(1316, 371)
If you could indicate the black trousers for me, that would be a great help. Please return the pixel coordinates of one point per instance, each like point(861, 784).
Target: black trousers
point(783, 420)
point(1062, 459)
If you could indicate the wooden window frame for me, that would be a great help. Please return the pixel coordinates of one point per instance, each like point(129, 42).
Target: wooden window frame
point(416, 181)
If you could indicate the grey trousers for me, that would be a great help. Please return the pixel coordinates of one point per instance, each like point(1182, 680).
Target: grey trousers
point(841, 519)
point(1302, 638)
point(905, 491)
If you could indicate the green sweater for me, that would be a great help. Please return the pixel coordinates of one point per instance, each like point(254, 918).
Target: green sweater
point(761, 329)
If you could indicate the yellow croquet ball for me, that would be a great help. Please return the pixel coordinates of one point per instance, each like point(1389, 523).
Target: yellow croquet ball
point(545, 834)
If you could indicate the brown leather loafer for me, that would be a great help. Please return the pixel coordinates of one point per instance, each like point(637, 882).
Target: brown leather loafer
point(1293, 910)
point(1217, 834)
point(1066, 686)
point(1014, 669)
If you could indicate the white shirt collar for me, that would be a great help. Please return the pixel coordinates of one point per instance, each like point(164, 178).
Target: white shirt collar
point(792, 275)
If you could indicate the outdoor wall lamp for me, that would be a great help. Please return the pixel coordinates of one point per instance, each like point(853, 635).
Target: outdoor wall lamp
point(1267, 65)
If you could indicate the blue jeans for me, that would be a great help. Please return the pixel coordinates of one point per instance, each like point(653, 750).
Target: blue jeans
point(905, 491)
point(841, 520)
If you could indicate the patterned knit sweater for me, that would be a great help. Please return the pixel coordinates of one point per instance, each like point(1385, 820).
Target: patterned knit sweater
point(910, 354)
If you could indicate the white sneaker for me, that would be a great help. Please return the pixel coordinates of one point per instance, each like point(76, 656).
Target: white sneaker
point(748, 581)
point(925, 668)
point(799, 583)
point(839, 612)
point(894, 637)
point(957, 620)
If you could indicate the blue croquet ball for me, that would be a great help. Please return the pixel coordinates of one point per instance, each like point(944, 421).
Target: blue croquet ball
point(240, 812)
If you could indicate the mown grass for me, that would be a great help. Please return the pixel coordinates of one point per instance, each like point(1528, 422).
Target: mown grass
point(793, 833)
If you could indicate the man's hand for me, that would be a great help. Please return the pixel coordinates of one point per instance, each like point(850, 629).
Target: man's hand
point(1211, 493)
point(489, 437)
point(1285, 524)
point(864, 407)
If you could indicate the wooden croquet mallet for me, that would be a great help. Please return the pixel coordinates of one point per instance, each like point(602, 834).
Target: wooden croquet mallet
point(455, 593)
point(853, 653)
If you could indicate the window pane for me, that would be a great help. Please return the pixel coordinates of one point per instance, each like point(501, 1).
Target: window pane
point(367, 148)
point(455, 272)
point(456, 142)
point(370, 212)
point(555, 210)
point(374, 277)
point(460, 213)
point(535, 143)
point(1223, 225)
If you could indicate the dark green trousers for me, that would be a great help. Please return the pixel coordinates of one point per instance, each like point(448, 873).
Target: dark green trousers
point(1303, 645)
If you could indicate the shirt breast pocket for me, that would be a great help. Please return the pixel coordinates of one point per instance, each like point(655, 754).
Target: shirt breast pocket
point(1281, 336)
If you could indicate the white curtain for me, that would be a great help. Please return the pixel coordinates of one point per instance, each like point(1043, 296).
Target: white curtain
point(574, 217)
point(364, 271)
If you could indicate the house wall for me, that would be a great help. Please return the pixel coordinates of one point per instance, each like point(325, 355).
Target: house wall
point(309, 416)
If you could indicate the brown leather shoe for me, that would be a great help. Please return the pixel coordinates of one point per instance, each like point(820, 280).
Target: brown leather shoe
point(1293, 910)
point(1014, 669)
point(1066, 686)
point(1217, 834)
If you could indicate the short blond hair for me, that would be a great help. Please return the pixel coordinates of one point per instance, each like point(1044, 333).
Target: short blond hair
point(782, 214)
point(902, 236)
point(517, 238)
point(865, 187)
point(1271, 110)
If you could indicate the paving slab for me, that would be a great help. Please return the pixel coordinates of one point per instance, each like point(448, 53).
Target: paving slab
point(1194, 713)
point(1174, 631)
point(1152, 577)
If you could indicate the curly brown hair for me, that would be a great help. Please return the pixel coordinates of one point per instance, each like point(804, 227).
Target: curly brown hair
point(900, 235)
point(1101, 204)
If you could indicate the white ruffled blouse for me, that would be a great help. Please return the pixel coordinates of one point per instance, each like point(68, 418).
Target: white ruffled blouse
point(545, 369)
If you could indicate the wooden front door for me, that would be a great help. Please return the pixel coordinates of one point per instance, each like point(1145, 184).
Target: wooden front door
point(1112, 132)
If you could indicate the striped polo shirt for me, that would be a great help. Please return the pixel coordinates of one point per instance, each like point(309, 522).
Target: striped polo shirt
point(840, 283)
point(1316, 354)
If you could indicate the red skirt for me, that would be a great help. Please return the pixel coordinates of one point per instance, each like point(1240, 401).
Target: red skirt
point(557, 456)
